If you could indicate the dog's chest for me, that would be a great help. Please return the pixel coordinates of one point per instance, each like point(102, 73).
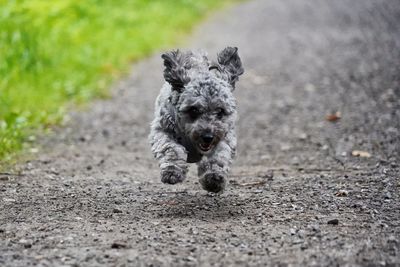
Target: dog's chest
point(193, 154)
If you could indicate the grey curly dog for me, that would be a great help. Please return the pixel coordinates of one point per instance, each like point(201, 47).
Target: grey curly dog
point(195, 117)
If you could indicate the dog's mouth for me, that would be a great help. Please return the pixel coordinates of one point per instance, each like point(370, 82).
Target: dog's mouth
point(206, 147)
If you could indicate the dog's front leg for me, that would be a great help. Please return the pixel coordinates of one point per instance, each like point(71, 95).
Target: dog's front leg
point(213, 169)
point(171, 157)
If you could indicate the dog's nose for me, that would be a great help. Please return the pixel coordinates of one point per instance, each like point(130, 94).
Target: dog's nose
point(207, 138)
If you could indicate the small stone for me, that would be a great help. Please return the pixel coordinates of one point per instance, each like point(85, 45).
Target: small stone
point(189, 258)
point(105, 133)
point(210, 239)
point(34, 150)
point(26, 243)
point(85, 138)
point(269, 175)
point(193, 231)
point(295, 160)
point(303, 136)
point(333, 222)
point(314, 227)
point(115, 210)
point(392, 239)
point(4, 178)
point(118, 245)
point(304, 246)
point(301, 233)
point(297, 241)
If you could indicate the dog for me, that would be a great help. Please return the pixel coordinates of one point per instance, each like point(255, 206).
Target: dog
point(195, 116)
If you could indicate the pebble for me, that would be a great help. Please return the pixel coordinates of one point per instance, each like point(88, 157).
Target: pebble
point(4, 178)
point(314, 227)
point(304, 246)
point(105, 133)
point(333, 222)
point(118, 245)
point(189, 258)
point(269, 175)
point(392, 239)
point(26, 243)
point(115, 210)
point(301, 233)
point(210, 239)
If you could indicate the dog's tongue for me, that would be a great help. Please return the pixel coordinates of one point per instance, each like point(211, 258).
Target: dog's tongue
point(205, 146)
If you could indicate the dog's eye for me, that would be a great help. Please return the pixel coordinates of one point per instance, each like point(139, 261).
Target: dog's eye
point(193, 112)
point(220, 112)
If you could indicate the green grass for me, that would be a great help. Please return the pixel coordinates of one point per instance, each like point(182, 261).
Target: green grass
point(54, 53)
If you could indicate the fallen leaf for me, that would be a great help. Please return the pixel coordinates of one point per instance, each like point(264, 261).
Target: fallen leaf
point(333, 117)
point(360, 153)
point(342, 193)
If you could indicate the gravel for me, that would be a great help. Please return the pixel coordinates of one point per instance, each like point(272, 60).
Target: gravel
point(92, 195)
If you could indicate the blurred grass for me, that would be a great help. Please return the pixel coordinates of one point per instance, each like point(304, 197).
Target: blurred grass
point(68, 51)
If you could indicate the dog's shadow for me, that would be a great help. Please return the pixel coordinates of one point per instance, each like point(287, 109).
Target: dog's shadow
point(203, 206)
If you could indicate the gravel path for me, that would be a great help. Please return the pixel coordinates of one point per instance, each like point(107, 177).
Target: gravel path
point(296, 196)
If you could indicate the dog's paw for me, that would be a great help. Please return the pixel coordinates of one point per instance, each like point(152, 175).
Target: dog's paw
point(213, 182)
point(172, 175)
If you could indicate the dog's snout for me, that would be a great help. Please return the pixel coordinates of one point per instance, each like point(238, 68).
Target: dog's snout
point(207, 138)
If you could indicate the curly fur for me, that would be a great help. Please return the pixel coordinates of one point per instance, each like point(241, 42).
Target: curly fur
point(195, 116)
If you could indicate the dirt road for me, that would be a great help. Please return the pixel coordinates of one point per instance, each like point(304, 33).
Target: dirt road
point(297, 195)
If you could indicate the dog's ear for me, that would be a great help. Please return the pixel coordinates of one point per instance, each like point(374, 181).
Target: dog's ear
point(230, 64)
point(175, 73)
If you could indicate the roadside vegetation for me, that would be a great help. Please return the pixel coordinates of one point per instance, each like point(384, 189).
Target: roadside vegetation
point(57, 53)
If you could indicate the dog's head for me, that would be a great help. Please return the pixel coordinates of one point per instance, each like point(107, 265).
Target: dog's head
point(204, 104)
